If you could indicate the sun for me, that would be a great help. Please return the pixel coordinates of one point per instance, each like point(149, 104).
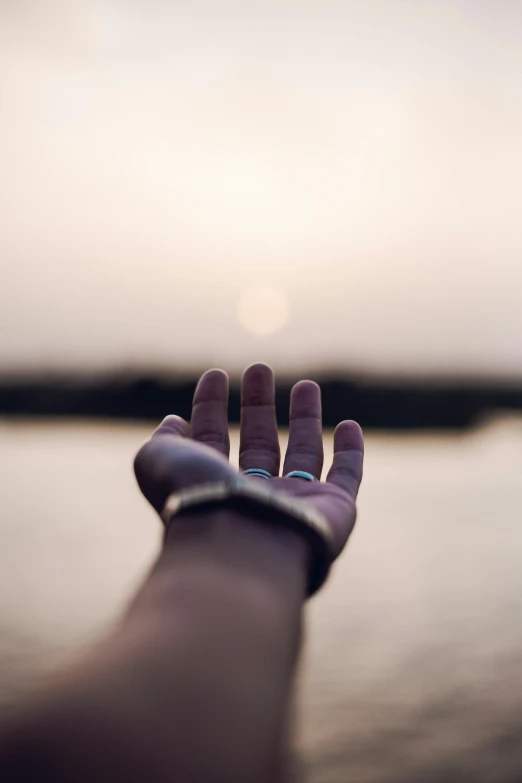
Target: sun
point(263, 310)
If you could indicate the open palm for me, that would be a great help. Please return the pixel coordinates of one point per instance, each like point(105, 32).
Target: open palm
point(180, 454)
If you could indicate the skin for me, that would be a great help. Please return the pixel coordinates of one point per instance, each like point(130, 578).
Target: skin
point(196, 683)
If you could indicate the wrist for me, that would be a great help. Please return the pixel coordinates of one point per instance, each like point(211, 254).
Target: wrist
point(256, 502)
point(222, 555)
point(246, 545)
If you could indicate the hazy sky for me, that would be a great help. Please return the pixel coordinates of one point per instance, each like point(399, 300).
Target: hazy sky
point(160, 161)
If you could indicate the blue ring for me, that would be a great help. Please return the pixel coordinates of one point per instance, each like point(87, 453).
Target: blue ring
point(302, 474)
point(259, 472)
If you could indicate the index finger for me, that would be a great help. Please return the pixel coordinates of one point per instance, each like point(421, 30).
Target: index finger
point(210, 411)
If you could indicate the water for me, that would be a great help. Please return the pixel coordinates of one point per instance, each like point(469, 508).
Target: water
point(414, 650)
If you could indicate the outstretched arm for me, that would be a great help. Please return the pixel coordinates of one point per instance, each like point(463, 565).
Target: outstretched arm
point(195, 685)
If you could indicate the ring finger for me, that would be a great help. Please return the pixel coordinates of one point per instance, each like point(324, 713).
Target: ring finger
point(305, 440)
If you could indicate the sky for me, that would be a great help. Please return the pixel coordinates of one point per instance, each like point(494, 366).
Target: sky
point(321, 185)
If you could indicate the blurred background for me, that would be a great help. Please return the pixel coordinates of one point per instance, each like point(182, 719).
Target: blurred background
point(334, 188)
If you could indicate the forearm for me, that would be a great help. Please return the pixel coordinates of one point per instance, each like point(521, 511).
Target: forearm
point(195, 686)
point(225, 603)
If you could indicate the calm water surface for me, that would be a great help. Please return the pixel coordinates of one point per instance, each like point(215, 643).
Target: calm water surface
point(413, 665)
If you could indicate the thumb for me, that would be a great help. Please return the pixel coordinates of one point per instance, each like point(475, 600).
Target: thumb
point(168, 463)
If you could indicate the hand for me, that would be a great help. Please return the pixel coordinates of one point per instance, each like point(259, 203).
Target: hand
point(180, 454)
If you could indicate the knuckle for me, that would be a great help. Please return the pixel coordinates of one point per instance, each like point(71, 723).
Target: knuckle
point(208, 431)
point(306, 412)
point(260, 443)
point(305, 450)
point(212, 436)
point(257, 399)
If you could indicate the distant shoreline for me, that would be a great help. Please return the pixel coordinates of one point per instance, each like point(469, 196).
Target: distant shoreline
point(375, 403)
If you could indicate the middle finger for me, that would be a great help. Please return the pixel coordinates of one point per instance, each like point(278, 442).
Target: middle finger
point(259, 440)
